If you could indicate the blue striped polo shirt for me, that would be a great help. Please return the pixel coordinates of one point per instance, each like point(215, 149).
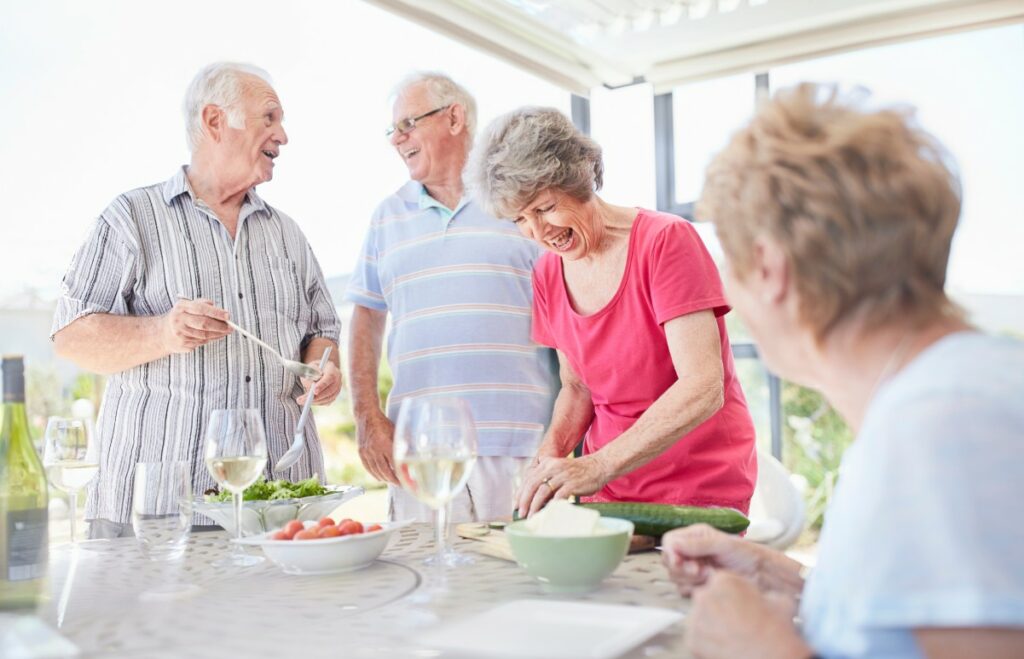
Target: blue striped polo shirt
point(458, 287)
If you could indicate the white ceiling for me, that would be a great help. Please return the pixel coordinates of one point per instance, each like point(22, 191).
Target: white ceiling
point(580, 44)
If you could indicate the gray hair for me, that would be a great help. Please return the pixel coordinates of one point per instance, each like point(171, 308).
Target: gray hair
point(442, 90)
point(530, 150)
point(220, 84)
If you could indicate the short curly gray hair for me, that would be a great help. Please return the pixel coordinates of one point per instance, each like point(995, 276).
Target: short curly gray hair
point(530, 150)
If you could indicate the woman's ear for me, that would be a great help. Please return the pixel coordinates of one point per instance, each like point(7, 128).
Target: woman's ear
point(771, 268)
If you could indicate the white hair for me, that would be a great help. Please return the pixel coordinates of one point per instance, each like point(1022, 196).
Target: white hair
point(220, 84)
point(442, 90)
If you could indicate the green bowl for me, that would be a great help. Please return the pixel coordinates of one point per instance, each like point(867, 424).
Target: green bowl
point(570, 564)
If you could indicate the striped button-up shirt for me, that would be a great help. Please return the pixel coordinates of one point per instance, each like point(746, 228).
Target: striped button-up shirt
point(147, 248)
point(458, 287)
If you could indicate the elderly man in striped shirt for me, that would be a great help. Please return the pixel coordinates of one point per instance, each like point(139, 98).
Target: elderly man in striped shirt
point(146, 298)
point(456, 282)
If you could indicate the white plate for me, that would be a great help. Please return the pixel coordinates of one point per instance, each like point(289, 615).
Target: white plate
point(552, 630)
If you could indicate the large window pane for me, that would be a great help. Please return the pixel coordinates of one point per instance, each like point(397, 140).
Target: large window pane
point(705, 114)
point(969, 91)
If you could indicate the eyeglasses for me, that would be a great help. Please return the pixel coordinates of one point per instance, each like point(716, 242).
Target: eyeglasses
point(408, 125)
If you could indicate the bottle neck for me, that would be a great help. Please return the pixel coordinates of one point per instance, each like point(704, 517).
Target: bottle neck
point(14, 380)
point(15, 426)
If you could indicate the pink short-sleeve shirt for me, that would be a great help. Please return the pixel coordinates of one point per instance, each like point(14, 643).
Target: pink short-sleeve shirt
point(622, 355)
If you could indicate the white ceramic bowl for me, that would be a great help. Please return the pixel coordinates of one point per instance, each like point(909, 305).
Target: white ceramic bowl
point(262, 516)
point(325, 555)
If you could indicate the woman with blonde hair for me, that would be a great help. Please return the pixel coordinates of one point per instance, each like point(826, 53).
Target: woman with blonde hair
point(836, 223)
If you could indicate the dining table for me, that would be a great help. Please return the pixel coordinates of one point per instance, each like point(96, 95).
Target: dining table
point(107, 600)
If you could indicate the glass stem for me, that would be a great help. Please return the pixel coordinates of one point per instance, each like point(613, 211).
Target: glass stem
point(73, 511)
point(441, 528)
point(237, 499)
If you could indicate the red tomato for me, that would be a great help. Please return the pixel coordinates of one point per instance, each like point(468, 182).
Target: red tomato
point(293, 527)
point(281, 535)
point(306, 534)
point(328, 532)
point(348, 527)
point(358, 527)
point(373, 527)
point(325, 521)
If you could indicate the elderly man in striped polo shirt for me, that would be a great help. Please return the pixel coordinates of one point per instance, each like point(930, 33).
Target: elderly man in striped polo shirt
point(456, 282)
point(146, 298)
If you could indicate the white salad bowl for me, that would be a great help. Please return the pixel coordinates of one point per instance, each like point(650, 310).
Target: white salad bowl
point(344, 553)
point(260, 516)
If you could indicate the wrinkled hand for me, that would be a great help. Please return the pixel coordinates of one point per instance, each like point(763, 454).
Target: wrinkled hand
point(693, 553)
point(730, 617)
point(561, 478)
point(328, 386)
point(192, 323)
point(376, 446)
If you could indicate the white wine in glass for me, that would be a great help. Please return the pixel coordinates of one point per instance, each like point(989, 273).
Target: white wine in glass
point(236, 453)
point(435, 447)
point(435, 481)
point(235, 474)
point(70, 459)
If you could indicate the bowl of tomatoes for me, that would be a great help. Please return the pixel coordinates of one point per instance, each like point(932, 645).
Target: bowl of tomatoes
point(324, 546)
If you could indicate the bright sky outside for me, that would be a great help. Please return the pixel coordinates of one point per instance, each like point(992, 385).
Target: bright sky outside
point(92, 107)
point(968, 89)
point(93, 94)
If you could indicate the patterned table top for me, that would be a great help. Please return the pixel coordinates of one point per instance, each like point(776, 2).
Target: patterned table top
point(261, 612)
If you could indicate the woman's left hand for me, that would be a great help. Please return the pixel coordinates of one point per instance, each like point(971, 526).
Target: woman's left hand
point(561, 478)
point(730, 617)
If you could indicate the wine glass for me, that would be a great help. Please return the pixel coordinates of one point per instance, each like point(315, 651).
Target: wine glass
point(236, 454)
point(70, 459)
point(434, 450)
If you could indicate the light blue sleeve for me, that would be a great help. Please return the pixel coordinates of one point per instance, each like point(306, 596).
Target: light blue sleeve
point(364, 287)
point(946, 538)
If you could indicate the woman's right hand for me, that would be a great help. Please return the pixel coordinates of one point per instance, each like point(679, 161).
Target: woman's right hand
point(692, 553)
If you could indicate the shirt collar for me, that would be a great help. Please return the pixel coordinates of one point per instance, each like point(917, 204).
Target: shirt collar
point(425, 201)
point(178, 185)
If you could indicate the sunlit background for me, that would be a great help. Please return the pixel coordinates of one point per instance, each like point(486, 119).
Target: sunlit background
point(92, 94)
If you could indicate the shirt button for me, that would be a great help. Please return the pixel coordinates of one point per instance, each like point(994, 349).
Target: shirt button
point(248, 378)
point(239, 295)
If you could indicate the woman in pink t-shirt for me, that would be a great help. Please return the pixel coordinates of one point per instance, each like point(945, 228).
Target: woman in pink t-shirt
point(633, 303)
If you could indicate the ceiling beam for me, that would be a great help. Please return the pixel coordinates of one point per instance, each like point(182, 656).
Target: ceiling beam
point(829, 40)
point(514, 37)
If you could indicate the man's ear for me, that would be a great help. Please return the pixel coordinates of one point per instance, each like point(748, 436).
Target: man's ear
point(772, 270)
point(214, 122)
point(456, 116)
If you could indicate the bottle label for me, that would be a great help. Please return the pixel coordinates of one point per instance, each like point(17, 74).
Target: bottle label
point(26, 544)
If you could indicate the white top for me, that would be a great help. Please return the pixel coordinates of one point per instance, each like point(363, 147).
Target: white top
point(924, 528)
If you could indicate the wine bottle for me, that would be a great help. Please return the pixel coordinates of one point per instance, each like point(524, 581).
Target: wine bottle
point(24, 534)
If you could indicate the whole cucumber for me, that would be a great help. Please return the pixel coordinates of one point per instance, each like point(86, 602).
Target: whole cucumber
point(656, 519)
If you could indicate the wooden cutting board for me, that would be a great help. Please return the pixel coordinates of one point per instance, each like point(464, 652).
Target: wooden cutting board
point(486, 541)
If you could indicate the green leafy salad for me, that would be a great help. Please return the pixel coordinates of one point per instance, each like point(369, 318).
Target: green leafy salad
point(264, 490)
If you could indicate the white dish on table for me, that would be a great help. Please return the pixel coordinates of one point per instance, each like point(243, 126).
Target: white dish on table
point(556, 630)
point(263, 515)
point(344, 553)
